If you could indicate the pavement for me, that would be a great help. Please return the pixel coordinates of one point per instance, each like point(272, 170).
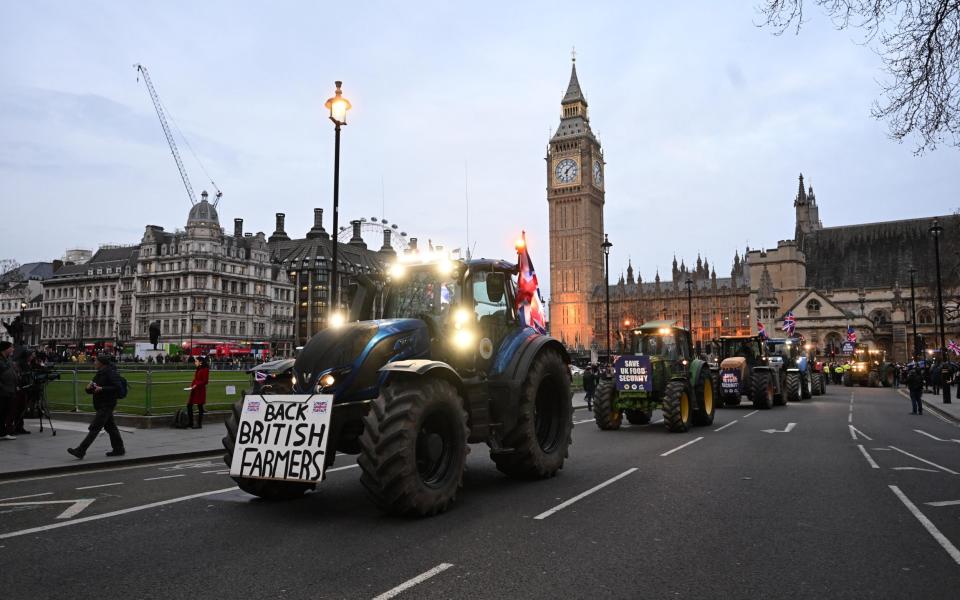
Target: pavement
point(934, 402)
point(843, 496)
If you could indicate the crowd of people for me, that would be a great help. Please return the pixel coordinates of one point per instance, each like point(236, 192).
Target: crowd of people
point(23, 372)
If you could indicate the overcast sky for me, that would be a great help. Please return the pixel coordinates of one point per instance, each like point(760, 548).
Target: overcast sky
point(706, 121)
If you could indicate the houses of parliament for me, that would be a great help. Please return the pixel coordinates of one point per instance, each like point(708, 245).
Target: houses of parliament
point(830, 278)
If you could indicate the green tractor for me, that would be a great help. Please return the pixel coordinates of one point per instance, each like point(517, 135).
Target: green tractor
point(661, 372)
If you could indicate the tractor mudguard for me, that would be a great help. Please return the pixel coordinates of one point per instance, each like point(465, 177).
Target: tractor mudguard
point(695, 367)
point(420, 367)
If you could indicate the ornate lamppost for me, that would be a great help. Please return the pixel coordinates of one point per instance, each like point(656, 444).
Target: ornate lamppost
point(338, 107)
point(606, 245)
point(935, 230)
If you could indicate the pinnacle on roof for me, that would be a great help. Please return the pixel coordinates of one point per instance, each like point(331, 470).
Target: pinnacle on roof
point(574, 93)
point(801, 194)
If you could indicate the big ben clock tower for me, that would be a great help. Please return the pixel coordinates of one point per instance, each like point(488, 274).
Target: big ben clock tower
point(575, 179)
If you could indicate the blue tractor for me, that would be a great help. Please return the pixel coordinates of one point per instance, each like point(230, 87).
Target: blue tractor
point(789, 353)
point(447, 363)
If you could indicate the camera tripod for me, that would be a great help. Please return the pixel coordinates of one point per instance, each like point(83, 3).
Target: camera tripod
point(43, 409)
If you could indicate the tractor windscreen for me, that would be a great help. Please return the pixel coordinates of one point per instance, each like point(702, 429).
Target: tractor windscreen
point(744, 348)
point(422, 292)
point(656, 344)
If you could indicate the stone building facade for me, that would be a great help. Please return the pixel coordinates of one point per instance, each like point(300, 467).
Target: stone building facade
point(575, 197)
point(20, 293)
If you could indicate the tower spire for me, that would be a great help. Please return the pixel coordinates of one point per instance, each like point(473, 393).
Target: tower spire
point(574, 93)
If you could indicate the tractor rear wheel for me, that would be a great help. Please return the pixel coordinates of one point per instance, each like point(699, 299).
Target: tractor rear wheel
point(638, 417)
point(414, 447)
point(806, 385)
point(703, 415)
point(605, 414)
point(677, 406)
point(763, 390)
point(542, 435)
point(873, 379)
point(847, 379)
point(791, 393)
point(267, 489)
point(815, 383)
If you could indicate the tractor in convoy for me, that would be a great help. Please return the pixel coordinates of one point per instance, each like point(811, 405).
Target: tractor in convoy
point(660, 372)
point(447, 362)
point(744, 369)
point(789, 353)
point(866, 370)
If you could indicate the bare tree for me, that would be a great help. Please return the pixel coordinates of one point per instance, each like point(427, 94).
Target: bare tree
point(919, 43)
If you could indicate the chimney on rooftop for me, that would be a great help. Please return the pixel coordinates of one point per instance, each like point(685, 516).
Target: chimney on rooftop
point(238, 228)
point(387, 248)
point(318, 231)
point(279, 234)
point(357, 239)
point(413, 245)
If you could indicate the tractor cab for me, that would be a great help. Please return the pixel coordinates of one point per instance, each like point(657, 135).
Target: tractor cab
point(665, 341)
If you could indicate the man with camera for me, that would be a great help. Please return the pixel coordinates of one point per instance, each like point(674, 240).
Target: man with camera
point(106, 389)
point(8, 391)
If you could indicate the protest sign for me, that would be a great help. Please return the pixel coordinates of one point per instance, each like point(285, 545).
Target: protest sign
point(633, 373)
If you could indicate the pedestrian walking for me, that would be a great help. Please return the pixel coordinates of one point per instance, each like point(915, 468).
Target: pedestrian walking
point(896, 375)
point(198, 391)
point(105, 388)
point(589, 386)
point(8, 391)
point(915, 385)
point(935, 377)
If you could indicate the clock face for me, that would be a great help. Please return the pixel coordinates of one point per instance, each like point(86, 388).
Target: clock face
point(597, 172)
point(566, 171)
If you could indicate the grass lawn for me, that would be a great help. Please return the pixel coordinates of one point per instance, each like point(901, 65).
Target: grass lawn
point(166, 391)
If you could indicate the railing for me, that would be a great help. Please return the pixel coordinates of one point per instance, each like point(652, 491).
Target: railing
point(154, 390)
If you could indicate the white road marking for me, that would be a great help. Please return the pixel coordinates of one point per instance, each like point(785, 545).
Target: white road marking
point(915, 469)
point(583, 495)
point(90, 487)
point(406, 585)
point(750, 414)
point(928, 525)
point(854, 431)
point(116, 513)
point(163, 477)
point(342, 468)
point(217, 471)
point(850, 418)
point(657, 422)
point(923, 460)
point(881, 449)
point(76, 506)
point(939, 416)
point(583, 421)
point(90, 472)
point(873, 465)
point(725, 426)
point(786, 429)
point(30, 496)
point(933, 437)
point(188, 465)
point(681, 446)
point(944, 503)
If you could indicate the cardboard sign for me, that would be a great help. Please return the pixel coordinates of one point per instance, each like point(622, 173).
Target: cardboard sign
point(730, 381)
point(283, 437)
point(633, 373)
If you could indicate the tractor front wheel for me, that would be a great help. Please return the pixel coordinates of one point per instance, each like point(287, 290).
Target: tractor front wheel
point(792, 391)
point(847, 379)
point(541, 438)
point(414, 447)
point(763, 391)
point(806, 386)
point(677, 407)
point(873, 379)
point(638, 417)
point(703, 415)
point(266, 489)
point(605, 414)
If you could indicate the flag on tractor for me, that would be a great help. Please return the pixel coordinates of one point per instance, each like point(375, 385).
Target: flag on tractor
point(260, 376)
point(851, 334)
point(789, 323)
point(955, 347)
point(529, 302)
point(761, 331)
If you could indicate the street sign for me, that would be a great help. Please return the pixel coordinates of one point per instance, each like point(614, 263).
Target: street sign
point(633, 373)
point(283, 437)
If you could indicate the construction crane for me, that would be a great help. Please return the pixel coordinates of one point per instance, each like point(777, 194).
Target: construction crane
point(142, 70)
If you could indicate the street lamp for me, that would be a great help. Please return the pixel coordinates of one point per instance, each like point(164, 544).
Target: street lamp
point(606, 245)
point(936, 230)
point(689, 283)
point(913, 315)
point(338, 107)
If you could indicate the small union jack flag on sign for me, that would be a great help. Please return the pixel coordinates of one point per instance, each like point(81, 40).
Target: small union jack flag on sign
point(319, 406)
point(253, 406)
point(789, 323)
point(851, 334)
point(761, 331)
point(260, 376)
point(955, 347)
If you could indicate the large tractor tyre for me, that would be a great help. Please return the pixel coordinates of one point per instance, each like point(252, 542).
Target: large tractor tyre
point(791, 392)
point(715, 379)
point(605, 414)
point(763, 390)
point(261, 488)
point(816, 380)
point(823, 384)
point(873, 379)
point(677, 407)
point(704, 413)
point(414, 447)
point(806, 387)
point(542, 436)
point(847, 379)
point(638, 417)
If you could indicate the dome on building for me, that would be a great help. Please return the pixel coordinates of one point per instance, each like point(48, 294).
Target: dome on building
point(203, 213)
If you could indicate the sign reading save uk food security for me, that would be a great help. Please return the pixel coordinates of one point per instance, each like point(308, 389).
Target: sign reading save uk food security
point(633, 373)
point(282, 437)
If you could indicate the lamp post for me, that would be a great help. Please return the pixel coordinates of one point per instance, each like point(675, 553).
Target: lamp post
point(606, 245)
point(689, 283)
point(913, 314)
point(936, 229)
point(338, 107)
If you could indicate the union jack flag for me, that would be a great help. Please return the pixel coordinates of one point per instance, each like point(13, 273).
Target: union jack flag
point(789, 323)
point(851, 334)
point(260, 376)
point(529, 303)
point(761, 331)
point(955, 347)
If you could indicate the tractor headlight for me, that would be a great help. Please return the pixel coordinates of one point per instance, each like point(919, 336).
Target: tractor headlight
point(461, 317)
point(293, 380)
point(463, 339)
point(328, 380)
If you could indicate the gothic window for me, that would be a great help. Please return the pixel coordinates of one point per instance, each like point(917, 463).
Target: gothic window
point(925, 316)
point(880, 317)
point(813, 307)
